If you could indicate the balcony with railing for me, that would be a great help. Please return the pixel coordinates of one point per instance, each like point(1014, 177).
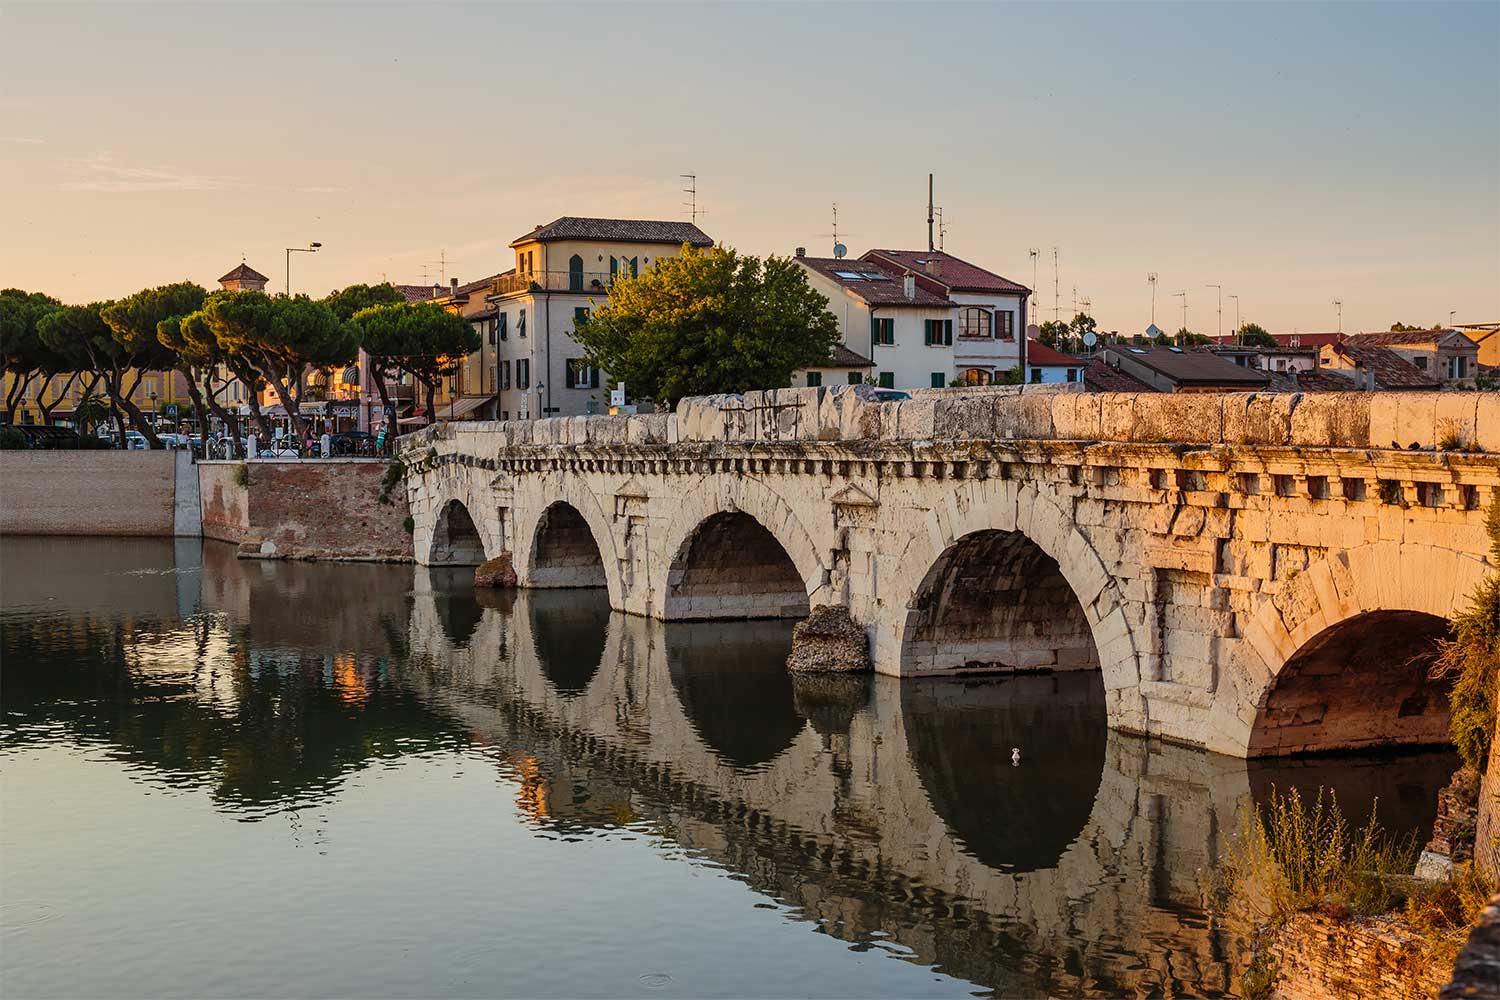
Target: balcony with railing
point(587, 282)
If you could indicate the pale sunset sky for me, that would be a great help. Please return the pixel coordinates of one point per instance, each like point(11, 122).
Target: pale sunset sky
point(1295, 154)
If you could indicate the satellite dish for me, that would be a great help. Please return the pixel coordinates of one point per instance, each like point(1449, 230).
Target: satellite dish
point(839, 250)
point(1089, 340)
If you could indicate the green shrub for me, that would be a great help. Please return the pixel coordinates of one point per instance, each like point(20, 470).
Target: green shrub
point(394, 472)
point(409, 524)
point(1472, 661)
point(11, 439)
point(242, 475)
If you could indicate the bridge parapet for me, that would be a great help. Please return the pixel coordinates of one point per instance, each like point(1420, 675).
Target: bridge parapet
point(1391, 421)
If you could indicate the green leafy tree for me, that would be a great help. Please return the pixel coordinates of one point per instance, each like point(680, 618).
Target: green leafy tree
point(711, 322)
point(356, 298)
point(81, 331)
point(424, 340)
point(1399, 327)
point(1255, 335)
point(1186, 338)
point(1472, 662)
point(135, 320)
point(1053, 333)
point(89, 413)
point(279, 339)
point(25, 357)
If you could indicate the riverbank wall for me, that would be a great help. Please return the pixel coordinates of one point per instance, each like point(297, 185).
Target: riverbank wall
point(295, 509)
point(129, 493)
point(1325, 958)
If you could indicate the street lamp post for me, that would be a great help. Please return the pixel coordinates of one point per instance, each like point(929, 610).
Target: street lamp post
point(1236, 316)
point(153, 411)
point(310, 248)
point(1220, 332)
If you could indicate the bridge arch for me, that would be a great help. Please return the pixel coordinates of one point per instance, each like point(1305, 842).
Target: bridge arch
point(1337, 657)
point(457, 539)
point(739, 552)
point(998, 534)
point(559, 538)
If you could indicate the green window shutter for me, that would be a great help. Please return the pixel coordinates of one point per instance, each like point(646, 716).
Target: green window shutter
point(568, 375)
point(888, 380)
point(634, 267)
point(874, 331)
point(580, 315)
point(614, 265)
point(593, 378)
point(814, 379)
point(948, 332)
point(856, 378)
point(939, 380)
point(927, 331)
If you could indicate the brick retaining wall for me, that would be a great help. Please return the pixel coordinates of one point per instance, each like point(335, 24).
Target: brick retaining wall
point(87, 492)
point(320, 509)
point(1321, 958)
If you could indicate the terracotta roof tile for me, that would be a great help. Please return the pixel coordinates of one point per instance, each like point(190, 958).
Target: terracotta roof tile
point(572, 227)
point(244, 273)
point(1392, 371)
point(419, 293)
point(1038, 353)
point(845, 358)
point(954, 272)
point(1402, 338)
point(1100, 377)
point(885, 290)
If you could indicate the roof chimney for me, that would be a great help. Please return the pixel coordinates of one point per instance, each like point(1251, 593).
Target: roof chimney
point(935, 267)
point(453, 284)
point(802, 251)
point(909, 285)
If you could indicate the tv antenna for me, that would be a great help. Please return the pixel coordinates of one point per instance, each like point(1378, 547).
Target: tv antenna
point(942, 227)
point(441, 264)
point(1339, 305)
point(1056, 293)
point(1035, 253)
point(692, 192)
point(1151, 280)
point(839, 250)
point(1183, 296)
point(930, 247)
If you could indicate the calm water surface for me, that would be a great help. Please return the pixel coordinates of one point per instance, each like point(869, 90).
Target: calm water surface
point(223, 778)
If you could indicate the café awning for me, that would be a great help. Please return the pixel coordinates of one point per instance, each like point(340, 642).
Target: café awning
point(462, 407)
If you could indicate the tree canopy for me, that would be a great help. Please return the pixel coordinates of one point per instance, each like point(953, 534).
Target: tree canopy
point(23, 352)
point(711, 322)
point(1255, 335)
point(356, 298)
point(424, 340)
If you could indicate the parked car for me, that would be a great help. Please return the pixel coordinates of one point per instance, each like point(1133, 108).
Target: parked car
point(889, 395)
point(352, 443)
point(136, 441)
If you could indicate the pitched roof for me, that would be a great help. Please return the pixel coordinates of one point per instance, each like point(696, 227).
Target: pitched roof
point(875, 285)
point(244, 273)
point(1038, 353)
point(572, 227)
point(845, 358)
point(954, 272)
point(1322, 380)
point(1189, 367)
point(1392, 371)
point(1404, 338)
point(419, 293)
point(1100, 377)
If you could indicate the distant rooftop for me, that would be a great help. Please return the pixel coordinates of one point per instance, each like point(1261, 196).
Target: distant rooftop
point(1392, 371)
point(244, 273)
point(1038, 353)
point(956, 274)
point(874, 284)
point(572, 227)
point(1189, 367)
point(419, 293)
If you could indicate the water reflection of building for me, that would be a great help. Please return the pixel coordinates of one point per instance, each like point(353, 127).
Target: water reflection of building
point(882, 813)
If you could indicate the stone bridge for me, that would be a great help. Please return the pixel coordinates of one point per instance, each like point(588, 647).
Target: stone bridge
point(1254, 574)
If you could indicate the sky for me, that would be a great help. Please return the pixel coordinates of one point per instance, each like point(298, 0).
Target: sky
point(1294, 154)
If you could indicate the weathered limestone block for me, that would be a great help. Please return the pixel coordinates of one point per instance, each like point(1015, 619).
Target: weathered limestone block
point(829, 641)
point(496, 572)
point(1259, 418)
point(1476, 974)
point(1075, 416)
point(1116, 415)
point(915, 421)
point(1025, 417)
point(1193, 418)
point(1487, 421)
point(963, 418)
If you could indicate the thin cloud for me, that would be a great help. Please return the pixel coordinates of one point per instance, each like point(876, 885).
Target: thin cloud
point(23, 139)
point(100, 172)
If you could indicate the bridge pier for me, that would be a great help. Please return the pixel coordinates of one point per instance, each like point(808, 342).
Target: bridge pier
point(1220, 587)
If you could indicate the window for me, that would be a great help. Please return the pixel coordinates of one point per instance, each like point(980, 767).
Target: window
point(634, 267)
point(976, 376)
point(505, 374)
point(1420, 361)
point(500, 329)
point(882, 331)
point(856, 378)
point(521, 324)
point(580, 316)
point(1007, 325)
point(577, 374)
point(814, 379)
point(937, 332)
point(887, 380)
point(1036, 376)
point(1072, 374)
point(575, 273)
point(489, 325)
point(939, 380)
point(974, 322)
point(614, 267)
point(523, 373)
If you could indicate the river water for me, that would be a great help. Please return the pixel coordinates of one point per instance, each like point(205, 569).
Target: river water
point(222, 778)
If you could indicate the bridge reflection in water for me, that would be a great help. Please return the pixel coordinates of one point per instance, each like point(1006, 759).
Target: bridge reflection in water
point(886, 814)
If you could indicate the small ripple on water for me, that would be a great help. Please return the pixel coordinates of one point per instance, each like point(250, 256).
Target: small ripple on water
point(25, 913)
point(656, 980)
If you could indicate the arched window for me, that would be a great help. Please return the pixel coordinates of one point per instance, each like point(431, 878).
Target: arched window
point(977, 376)
point(575, 273)
point(974, 322)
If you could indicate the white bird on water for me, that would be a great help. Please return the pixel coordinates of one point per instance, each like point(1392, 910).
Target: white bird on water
point(1015, 755)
